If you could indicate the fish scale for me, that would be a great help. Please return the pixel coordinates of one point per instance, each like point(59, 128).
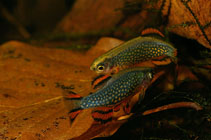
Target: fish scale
point(117, 89)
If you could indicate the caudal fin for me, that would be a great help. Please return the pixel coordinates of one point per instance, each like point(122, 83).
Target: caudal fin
point(102, 115)
point(72, 102)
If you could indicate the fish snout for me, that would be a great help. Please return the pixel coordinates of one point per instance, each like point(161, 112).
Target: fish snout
point(92, 68)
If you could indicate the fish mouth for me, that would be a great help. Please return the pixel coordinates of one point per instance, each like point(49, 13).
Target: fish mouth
point(92, 68)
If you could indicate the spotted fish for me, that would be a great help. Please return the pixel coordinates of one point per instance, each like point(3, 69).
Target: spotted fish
point(149, 48)
point(120, 88)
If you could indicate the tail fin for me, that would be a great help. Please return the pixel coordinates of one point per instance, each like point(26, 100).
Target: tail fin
point(72, 102)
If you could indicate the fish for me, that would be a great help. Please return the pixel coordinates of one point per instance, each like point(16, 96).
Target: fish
point(117, 91)
point(150, 48)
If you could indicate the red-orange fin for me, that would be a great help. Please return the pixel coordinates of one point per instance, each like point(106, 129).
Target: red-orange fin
point(117, 107)
point(127, 108)
point(99, 80)
point(96, 78)
point(72, 96)
point(103, 115)
point(74, 113)
point(151, 31)
point(162, 62)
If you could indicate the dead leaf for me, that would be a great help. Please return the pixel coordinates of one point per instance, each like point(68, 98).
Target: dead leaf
point(97, 15)
point(32, 82)
point(190, 19)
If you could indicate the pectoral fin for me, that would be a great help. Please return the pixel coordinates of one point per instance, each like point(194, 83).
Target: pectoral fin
point(99, 80)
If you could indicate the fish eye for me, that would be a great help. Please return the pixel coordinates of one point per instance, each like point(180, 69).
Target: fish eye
point(100, 68)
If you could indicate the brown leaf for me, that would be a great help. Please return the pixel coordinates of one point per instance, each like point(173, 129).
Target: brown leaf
point(32, 82)
point(191, 19)
point(88, 16)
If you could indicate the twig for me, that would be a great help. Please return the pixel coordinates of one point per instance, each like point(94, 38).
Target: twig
point(37, 103)
point(172, 106)
point(165, 107)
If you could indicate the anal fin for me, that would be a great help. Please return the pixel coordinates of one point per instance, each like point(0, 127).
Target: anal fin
point(103, 114)
point(127, 108)
point(73, 113)
point(117, 108)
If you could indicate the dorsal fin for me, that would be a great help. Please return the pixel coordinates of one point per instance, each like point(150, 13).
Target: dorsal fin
point(153, 31)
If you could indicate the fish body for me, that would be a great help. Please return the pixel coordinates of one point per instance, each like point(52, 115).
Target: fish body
point(133, 52)
point(119, 88)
